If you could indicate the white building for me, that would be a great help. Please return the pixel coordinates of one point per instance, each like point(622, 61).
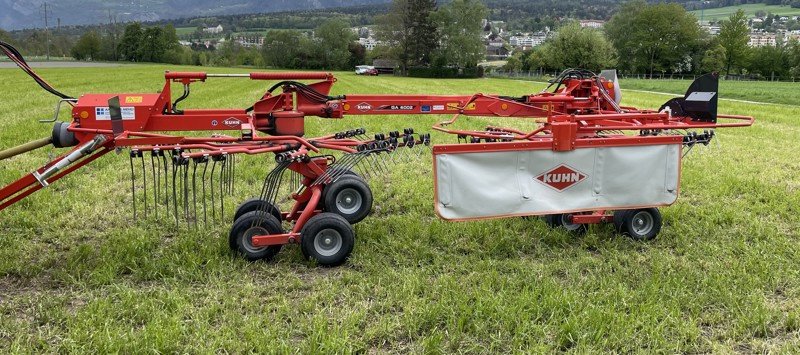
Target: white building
point(213, 30)
point(592, 23)
point(369, 43)
point(760, 39)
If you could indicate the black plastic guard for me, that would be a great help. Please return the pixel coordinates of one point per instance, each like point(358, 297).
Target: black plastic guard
point(700, 101)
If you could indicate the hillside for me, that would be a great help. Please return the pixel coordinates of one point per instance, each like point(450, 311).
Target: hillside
point(18, 14)
point(749, 9)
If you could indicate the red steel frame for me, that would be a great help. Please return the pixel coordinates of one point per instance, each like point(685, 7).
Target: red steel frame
point(578, 115)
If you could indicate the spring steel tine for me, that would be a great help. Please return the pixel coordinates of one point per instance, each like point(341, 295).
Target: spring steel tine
point(222, 186)
point(166, 178)
point(155, 182)
point(175, 193)
point(133, 185)
point(203, 178)
point(233, 174)
point(185, 167)
point(213, 205)
point(194, 191)
point(270, 189)
point(140, 155)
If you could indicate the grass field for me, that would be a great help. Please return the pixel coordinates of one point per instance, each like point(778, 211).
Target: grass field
point(78, 274)
point(750, 10)
point(769, 92)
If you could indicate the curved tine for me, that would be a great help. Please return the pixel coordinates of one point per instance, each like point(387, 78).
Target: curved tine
point(213, 205)
point(185, 167)
point(175, 193)
point(203, 178)
point(133, 185)
point(144, 181)
point(166, 179)
point(194, 191)
point(221, 186)
point(155, 182)
point(275, 179)
point(233, 173)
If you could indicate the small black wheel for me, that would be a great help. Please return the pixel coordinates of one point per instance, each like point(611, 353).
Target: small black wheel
point(619, 216)
point(249, 225)
point(257, 204)
point(563, 221)
point(349, 197)
point(327, 238)
point(642, 224)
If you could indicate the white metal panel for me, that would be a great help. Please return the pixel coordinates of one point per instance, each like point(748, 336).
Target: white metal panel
point(533, 182)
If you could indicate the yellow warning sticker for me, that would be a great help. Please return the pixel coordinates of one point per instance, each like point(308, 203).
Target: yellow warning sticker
point(133, 100)
point(456, 106)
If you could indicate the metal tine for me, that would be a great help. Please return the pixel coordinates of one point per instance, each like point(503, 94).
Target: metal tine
point(133, 184)
point(203, 178)
point(163, 156)
point(174, 190)
point(271, 188)
point(233, 173)
point(213, 204)
point(222, 186)
point(140, 155)
point(153, 154)
point(185, 167)
point(194, 190)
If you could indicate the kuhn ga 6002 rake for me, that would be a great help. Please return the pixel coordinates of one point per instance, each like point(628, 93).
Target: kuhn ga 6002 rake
point(589, 160)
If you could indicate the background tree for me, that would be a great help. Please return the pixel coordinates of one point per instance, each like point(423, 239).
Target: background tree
point(129, 46)
point(282, 48)
point(657, 37)
point(734, 36)
point(577, 47)
point(459, 32)
point(6, 37)
point(87, 47)
point(769, 61)
point(332, 40)
point(408, 32)
point(714, 60)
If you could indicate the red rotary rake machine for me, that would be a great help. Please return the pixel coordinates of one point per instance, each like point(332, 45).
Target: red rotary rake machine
point(589, 159)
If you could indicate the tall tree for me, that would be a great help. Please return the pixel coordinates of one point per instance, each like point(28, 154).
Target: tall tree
point(409, 32)
point(88, 46)
point(734, 36)
point(129, 46)
point(333, 37)
point(577, 47)
point(282, 48)
point(5, 36)
point(657, 37)
point(459, 24)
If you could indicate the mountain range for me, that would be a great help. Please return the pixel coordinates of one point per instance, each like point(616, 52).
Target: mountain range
point(20, 14)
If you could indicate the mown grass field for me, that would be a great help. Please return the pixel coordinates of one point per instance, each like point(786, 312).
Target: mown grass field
point(750, 10)
point(761, 91)
point(79, 274)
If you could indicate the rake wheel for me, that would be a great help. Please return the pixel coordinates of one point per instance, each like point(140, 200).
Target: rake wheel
point(349, 197)
point(252, 224)
point(327, 238)
point(642, 224)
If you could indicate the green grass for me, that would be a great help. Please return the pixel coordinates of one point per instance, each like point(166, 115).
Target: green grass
point(750, 10)
point(185, 30)
point(79, 274)
point(761, 91)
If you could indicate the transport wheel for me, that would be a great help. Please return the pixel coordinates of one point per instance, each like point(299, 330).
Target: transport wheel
point(256, 204)
point(251, 224)
point(327, 238)
point(642, 224)
point(349, 197)
point(562, 221)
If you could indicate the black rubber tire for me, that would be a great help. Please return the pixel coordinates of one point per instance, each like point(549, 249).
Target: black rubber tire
point(327, 252)
point(560, 221)
point(643, 224)
point(619, 216)
point(243, 230)
point(256, 204)
point(349, 189)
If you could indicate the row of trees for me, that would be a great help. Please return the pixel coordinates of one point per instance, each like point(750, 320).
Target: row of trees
point(661, 38)
point(332, 46)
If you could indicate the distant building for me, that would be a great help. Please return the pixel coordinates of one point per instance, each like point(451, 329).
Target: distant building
point(592, 23)
point(250, 41)
point(369, 43)
point(213, 30)
point(761, 39)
